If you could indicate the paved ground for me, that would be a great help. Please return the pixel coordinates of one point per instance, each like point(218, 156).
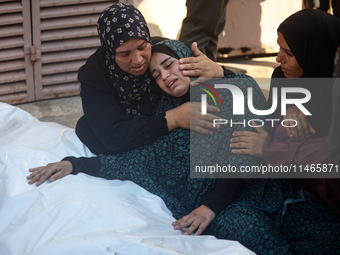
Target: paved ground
point(67, 111)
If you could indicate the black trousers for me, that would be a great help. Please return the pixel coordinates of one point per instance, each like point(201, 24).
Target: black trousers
point(323, 5)
point(205, 20)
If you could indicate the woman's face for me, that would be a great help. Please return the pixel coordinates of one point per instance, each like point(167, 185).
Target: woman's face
point(165, 70)
point(134, 56)
point(289, 65)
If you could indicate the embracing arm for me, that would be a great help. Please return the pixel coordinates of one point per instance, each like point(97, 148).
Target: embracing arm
point(295, 150)
point(115, 130)
point(281, 150)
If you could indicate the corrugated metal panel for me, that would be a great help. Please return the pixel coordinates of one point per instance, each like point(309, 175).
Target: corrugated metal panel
point(16, 72)
point(64, 36)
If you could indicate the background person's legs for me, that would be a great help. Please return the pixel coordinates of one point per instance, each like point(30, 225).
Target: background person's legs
point(324, 5)
point(311, 4)
point(336, 8)
point(203, 23)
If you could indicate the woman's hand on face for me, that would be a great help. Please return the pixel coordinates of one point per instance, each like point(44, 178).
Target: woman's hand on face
point(189, 116)
point(303, 128)
point(198, 219)
point(249, 143)
point(200, 65)
point(53, 171)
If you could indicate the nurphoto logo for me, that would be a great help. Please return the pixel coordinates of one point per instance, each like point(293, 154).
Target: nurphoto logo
point(204, 97)
point(238, 103)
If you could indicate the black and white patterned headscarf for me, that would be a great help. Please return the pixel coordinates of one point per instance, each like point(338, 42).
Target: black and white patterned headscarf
point(117, 24)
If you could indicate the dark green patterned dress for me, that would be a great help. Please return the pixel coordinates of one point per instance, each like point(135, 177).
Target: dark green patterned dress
point(272, 216)
point(163, 167)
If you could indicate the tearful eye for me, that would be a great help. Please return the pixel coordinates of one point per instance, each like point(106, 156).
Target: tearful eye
point(169, 65)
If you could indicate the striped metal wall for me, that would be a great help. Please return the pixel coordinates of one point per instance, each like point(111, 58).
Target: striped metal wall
point(16, 70)
point(42, 45)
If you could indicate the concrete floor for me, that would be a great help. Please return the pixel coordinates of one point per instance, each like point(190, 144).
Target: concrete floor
point(67, 111)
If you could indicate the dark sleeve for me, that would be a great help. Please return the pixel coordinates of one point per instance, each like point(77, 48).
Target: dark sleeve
point(89, 166)
point(225, 192)
point(115, 130)
point(227, 72)
point(280, 149)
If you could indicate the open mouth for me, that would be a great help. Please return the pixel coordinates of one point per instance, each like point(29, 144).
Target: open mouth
point(139, 68)
point(172, 83)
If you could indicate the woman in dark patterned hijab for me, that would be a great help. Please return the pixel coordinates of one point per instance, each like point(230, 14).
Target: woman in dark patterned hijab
point(119, 96)
point(117, 25)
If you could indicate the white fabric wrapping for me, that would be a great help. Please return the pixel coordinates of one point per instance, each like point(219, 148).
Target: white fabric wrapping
point(79, 214)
